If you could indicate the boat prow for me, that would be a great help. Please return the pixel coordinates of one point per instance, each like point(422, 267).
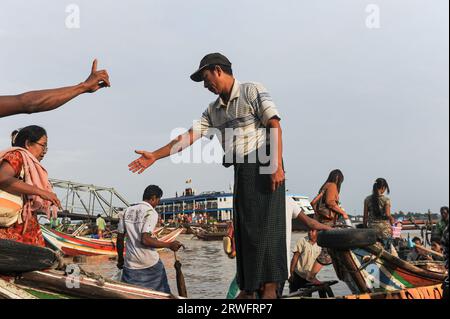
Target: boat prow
point(367, 268)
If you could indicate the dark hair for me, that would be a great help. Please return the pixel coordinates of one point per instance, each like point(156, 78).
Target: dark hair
point(98, 216)
point(31, 134)
point(151, 191)
point(336, 177)
point(436, 239)
point(379, 184)
point(225, 68)
point(417, 239)
point(445, 208)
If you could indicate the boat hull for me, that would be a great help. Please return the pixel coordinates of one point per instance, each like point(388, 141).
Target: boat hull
point(52, 284)
point(427, 292)
point(384, 273)
point(76, 246)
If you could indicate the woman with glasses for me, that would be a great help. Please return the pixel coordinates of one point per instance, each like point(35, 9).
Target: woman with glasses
point(22, 176)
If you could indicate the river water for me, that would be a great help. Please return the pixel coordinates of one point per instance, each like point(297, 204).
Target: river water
point(207, 270)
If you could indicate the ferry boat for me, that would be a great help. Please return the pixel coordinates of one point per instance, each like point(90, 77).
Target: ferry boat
point(218, 205)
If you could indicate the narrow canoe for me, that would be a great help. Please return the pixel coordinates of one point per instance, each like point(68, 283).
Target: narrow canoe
point(77, 246)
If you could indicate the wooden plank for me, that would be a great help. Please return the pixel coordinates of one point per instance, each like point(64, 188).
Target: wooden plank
point(88, 288)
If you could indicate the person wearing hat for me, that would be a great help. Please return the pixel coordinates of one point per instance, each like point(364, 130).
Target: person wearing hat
point(248, 113)
point(47, 100)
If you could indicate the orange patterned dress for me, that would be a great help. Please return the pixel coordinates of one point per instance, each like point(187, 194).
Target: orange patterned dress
point(33, 235)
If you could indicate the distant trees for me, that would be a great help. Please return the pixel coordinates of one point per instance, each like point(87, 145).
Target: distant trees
point(420, 216)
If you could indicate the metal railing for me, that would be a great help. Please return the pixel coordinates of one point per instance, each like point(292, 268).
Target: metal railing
point(91, 199)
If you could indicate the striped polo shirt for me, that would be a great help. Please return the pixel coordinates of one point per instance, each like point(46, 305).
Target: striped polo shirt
point(241, 124)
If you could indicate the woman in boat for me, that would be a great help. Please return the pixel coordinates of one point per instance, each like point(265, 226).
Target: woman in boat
point(377, 212)
point(327, 211)
point(326, 204)
point(21, 174)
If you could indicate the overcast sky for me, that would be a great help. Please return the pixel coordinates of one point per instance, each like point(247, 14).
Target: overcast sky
point(373, 102)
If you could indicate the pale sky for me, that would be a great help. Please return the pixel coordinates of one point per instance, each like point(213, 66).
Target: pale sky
point(373, 102)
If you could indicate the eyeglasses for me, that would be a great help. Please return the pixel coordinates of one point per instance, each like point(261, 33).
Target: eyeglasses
point(45, 147)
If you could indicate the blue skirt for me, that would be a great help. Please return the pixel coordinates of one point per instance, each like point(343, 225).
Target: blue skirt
point(154, 278)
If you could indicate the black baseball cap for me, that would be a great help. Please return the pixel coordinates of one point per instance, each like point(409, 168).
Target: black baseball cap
point(210, 59)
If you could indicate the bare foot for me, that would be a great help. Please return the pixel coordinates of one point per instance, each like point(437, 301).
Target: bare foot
point(269, 296)
point(269, 291)
point(246, 295)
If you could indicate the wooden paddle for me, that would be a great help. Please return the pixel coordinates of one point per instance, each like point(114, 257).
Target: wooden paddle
point(181, 284)
point(429, 251)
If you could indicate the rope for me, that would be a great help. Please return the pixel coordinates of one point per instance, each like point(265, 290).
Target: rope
point(62, 266)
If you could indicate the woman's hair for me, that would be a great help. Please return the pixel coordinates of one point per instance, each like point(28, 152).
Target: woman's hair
point(31, 134)
point(444, 209)
point(380, 183)
point(336, 177)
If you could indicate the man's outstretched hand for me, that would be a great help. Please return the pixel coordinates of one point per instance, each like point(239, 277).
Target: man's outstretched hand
point(146, 160)
point(97, 79)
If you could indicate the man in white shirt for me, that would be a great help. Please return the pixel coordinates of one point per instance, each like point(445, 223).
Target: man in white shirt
point(293, 211)
point(305, 255)
point(142, 265)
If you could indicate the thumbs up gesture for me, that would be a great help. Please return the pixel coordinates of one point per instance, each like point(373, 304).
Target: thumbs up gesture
point(97, 79)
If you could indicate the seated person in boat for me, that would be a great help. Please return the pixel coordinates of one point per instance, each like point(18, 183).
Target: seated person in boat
point(436, 247)
point(377, 212)
point(142, 265)
point(327, 208)
point(415, 254)
point(305, 255)
point(24, 187)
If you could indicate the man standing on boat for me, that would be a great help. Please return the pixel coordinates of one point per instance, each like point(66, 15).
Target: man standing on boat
point(247, 112)
point(142, 265)
point(47, 100)
point(101, 226)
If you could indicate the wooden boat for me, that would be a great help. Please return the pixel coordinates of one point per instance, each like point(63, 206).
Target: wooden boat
point(370, 269)
point(82, 246)
point(427, 292)
point(374, 270)
point(18, 282)
point(207, 235)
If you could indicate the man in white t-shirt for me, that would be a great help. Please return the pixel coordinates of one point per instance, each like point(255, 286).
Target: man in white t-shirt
point(293, 211)
point(305, 255)
point(142, 265)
